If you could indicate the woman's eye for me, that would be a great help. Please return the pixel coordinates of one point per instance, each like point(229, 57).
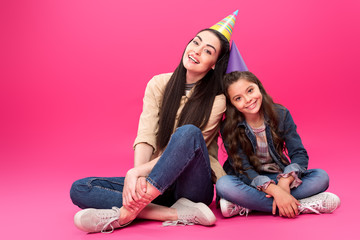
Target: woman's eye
point(237, 99)
point(207, 51)
point(195, 42)
point(250, 90)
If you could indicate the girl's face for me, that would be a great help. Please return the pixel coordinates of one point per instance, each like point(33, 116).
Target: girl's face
point(201, 53)
point(246, 97)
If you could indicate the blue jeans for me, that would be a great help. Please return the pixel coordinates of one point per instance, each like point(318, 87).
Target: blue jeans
point(231, 188)
point(183, 170)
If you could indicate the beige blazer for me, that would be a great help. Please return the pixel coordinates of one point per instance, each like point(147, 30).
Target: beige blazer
point(149, 119)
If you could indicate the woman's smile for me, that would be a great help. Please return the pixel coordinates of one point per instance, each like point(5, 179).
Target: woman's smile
point(201, 55)
point(194, 59)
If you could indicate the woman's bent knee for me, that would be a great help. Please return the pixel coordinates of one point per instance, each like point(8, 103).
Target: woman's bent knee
point(189, 131)
point(78, 191)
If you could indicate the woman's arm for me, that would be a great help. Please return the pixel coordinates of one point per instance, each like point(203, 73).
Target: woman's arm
point(142, 154)
point(131, 197)
point(149, 118)
point(145, 142)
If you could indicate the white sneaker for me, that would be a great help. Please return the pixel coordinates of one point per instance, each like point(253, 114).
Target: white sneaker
point(229, 209)
point(320, 203)
point(190, 213)
point(98, 220)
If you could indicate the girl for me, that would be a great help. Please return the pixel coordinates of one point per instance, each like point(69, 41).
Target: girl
point(170, 168)
point(257, 132)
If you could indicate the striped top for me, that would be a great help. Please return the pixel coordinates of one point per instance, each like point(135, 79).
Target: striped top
point(188, 87)
point(262, 151)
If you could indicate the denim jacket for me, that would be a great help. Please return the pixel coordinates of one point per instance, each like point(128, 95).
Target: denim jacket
point(296, 151)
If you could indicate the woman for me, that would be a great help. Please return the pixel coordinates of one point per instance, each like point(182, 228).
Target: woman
point(170, 168)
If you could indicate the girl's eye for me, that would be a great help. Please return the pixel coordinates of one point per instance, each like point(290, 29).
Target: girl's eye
point(250, 90)
point(237, 99)
point(195, 42)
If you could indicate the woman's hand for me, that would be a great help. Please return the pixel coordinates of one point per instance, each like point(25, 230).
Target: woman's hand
point(284, 201)
point(130, 196)
point(141, 190)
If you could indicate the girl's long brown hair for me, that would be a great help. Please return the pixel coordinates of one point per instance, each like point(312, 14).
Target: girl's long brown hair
point(235, 136)
point(198, 107)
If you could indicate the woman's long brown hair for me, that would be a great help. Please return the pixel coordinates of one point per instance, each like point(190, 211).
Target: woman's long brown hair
point(198, 107)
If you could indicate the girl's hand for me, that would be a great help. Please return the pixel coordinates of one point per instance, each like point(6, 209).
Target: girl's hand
point(284, 201)
point(273, 205)
point(130, 196)
point(285, 183)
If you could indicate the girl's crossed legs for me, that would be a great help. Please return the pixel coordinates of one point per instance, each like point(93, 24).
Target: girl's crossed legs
point(231, 188)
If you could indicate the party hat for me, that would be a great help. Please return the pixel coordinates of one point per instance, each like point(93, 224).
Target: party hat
point(225, 26)
point(236, 62)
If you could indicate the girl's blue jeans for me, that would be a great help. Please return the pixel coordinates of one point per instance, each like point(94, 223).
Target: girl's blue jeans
point(231, 188)
point(183, 170)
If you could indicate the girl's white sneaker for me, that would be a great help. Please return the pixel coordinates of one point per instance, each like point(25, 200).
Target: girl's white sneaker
point(324, 202)
point(229, 209)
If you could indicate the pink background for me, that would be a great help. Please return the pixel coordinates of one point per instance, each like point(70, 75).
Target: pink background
point(72, 78)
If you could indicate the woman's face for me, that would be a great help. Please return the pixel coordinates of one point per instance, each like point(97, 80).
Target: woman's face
point(201, 53)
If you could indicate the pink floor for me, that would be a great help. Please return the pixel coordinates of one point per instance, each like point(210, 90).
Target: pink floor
point(35, 203)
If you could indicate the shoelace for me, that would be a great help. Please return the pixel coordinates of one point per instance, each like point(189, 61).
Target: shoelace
point(233, 210)
point(180, 222)
point(312, 207)
point(241, 210)
point(244, 211)
point(109, 218)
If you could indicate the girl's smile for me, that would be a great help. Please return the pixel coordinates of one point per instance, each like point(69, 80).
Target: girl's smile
point(252, 106)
